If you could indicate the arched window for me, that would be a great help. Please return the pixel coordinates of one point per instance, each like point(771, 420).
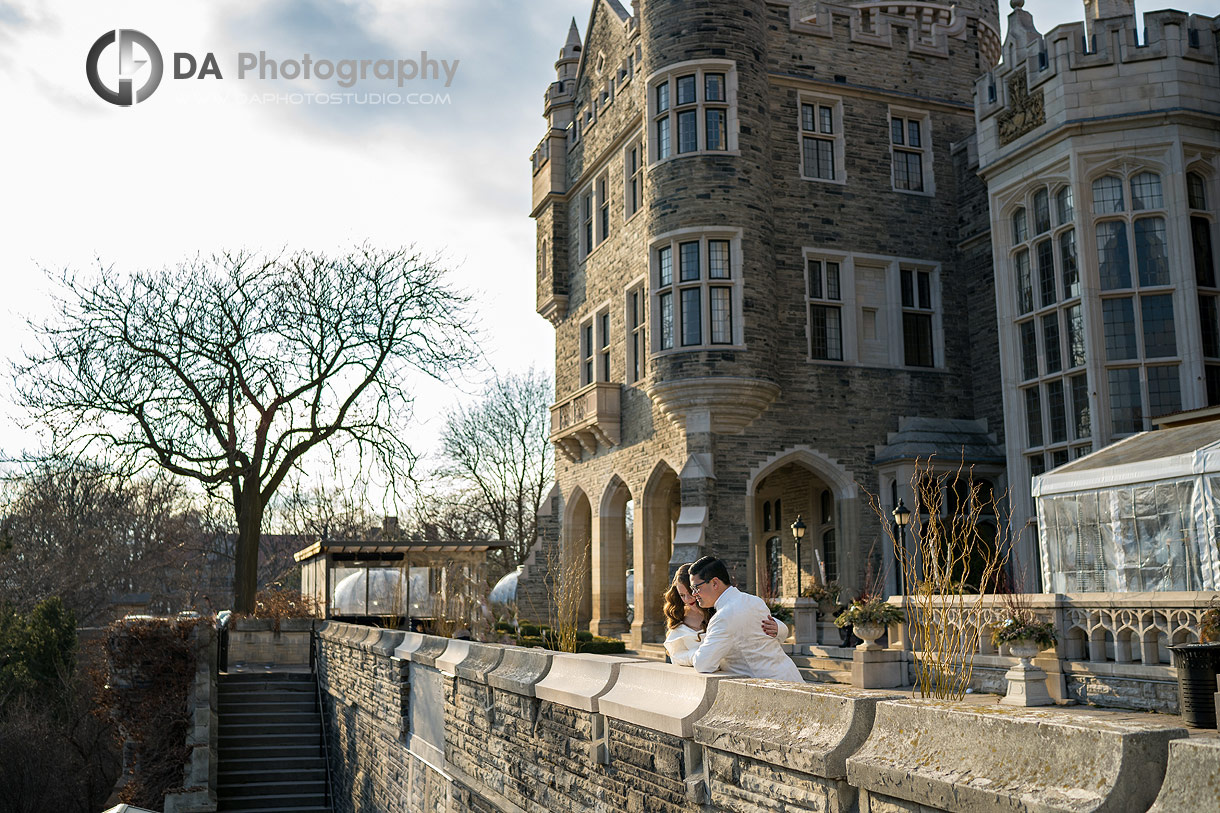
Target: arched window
point(775, 571)
point(779, 517)
point(767, 516)
point(828, 508)
point(830, 555)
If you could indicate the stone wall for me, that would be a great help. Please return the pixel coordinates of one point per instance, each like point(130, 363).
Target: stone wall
point(423, 723)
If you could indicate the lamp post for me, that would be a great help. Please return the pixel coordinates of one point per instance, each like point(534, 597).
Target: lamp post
point(798, 533)
point(902, 515)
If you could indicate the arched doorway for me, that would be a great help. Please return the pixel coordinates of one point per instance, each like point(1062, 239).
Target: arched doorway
point(801, 482)
point(612, 555)
point(655, 516)
point(574, 583)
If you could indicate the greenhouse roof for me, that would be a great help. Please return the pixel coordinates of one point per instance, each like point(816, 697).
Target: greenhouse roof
point(1161, 454)
point(319, 548)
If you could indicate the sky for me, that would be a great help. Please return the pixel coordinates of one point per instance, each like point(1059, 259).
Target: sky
point(206, 164)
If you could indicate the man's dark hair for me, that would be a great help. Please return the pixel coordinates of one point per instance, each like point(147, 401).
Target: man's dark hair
point(709, 567)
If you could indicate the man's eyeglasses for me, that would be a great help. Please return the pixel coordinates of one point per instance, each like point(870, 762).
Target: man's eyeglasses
point(694, 588)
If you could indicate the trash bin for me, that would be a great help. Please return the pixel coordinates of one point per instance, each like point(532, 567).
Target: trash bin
point(1197, 666)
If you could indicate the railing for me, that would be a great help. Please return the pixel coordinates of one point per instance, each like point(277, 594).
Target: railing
point(1121, 628)
point(317, 683)
point(587, 419)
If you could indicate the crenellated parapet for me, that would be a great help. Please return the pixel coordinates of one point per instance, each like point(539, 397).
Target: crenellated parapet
point(1092, 70)
point(925, 27)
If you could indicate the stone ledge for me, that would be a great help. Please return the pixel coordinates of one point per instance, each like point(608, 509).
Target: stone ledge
point(1192, 778)
point(578, 681)
point(422, 649)
point(964, 758)
point(520, 670)
point(455, 652)
point(480, 660)
point(660, 696)
point(812, 729)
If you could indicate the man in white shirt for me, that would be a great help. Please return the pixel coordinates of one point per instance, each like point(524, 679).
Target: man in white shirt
point(734, 642)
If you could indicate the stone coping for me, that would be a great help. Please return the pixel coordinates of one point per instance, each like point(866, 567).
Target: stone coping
point(372, 639)
point(455, 652)
point(268, 624)
point(805, 727)
point(660, 696)
point(956, 757)
point(479, 661)
point(578, 680)
point(422, 649)
point(520, 669)
point(1192, 778)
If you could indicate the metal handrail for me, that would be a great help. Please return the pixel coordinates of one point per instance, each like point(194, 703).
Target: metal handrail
point(313, 634)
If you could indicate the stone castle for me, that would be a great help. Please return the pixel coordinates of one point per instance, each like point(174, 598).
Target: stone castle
point(790, 247)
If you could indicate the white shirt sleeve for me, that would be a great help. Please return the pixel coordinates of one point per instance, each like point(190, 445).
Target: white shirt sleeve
point(782, 634)
point(718, 642)
point(681, 643)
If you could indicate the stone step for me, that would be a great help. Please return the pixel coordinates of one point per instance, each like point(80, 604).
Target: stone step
point(311, 724)
point(243, 752)
point(263, 677)
point(243, 689)
point(272, 768)
point(257, 704)
point(810, 662)
point(226, 741)
point(313, 785)
point(264, 716)
point(274, 801)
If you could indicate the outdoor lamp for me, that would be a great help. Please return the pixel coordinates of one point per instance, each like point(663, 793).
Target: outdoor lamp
point(902, 515)
point(798, 533)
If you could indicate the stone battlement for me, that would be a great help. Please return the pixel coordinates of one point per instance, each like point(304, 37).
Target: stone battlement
point(1103, 68)
point(424, 723)
point(925, 27)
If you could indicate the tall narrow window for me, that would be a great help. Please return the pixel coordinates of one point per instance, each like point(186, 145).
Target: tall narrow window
point(633, 178)
point(917, 342)
point(1046, 272)
point(586, 353)
point(603, 208)
point(1042, 212)
point(1029, 349)
point(720, 297)
point(1067, 261)
point(1033, 416)
point(586, 216)
point(715, 113)
point(1081, 424)
point(819, 140)
point(603, 342)
point(908, 152)
point(638, 347)
point(665, 300)
point(825, 310)
point(1025, 289)
point(1050, 342)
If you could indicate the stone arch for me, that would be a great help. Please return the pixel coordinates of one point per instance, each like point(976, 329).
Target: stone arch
point(577, 540)
point(656, 514)
point(611, 551)
point(824, 474)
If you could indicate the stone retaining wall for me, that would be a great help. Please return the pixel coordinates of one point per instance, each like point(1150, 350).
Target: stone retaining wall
point(422, 723)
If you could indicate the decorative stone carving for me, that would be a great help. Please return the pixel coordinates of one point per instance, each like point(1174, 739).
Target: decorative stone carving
point(731, 403)
point(1025, 111)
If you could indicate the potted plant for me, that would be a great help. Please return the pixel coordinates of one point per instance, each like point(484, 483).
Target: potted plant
point(868, 616)
point(826, 595)
point(1024, 634)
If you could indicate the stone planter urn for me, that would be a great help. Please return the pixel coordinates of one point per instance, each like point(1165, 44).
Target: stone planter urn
point(1026, 682)
point(869, 632)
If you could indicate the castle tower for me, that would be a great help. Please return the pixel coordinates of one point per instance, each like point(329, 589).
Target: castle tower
point(1101, 155)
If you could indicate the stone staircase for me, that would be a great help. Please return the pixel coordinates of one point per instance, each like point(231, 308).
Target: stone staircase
point(270, 749)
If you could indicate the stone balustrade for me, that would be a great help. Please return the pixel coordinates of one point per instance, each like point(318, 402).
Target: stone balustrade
point(1113, 648)
point(430, 724)
point(587, 419)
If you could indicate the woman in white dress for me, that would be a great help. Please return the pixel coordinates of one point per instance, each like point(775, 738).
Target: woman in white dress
point(687, 621)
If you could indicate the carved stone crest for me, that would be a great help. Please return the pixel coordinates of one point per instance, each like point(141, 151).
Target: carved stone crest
point(1024, 112)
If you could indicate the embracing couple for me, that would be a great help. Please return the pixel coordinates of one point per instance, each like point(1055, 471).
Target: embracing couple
point(713, 626)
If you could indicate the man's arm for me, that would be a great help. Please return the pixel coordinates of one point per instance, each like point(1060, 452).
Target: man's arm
point(717, 644)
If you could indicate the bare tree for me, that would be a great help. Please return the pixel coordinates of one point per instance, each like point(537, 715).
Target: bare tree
point(81, 532)
point(231, 371)
point(498, 454)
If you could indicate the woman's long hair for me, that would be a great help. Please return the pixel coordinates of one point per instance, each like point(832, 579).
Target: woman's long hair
point(675, 608)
